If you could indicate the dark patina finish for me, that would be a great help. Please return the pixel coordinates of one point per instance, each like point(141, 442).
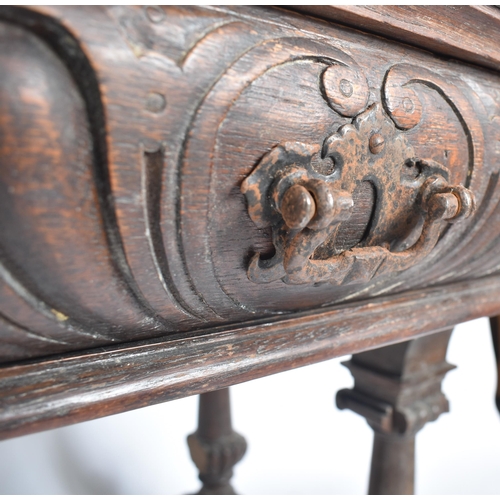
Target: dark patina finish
point(398, 390)
point(125, 241)
point(215, 448)
point(305, 206)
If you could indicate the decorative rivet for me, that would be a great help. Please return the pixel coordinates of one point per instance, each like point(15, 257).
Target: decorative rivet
point(408, 105)
point(346, 88)
point(155, 102)
point(376, 143)
point(155, 14)
point(324, 166)
point(297, 207)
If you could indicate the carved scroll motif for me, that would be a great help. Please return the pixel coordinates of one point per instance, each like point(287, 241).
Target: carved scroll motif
point(147, 233)
point(305, 192)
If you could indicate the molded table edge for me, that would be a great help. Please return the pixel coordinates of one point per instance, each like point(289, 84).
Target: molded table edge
point(50, 393)
point(423, 27)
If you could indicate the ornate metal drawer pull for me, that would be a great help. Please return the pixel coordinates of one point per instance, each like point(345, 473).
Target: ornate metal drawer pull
point(305, 192)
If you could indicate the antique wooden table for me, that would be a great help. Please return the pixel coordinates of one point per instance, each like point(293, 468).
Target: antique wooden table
point(193, 197)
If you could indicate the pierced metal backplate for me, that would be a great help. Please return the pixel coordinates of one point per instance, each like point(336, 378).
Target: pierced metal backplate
point(307, 192)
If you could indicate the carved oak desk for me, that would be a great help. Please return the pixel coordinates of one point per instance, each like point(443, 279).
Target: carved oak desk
point(195, 197)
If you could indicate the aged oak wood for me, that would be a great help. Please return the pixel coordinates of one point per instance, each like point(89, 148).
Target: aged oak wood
point(466, 32)
point(50, 393)
point(192, 197)
point(398, 390)
point(215, 448)
point(159, 238)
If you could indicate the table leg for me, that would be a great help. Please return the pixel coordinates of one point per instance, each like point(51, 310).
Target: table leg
point(495, 333)
point(215, 448)
point(398, 390)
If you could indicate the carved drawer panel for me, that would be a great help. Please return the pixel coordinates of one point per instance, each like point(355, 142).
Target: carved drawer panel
point(176, 168)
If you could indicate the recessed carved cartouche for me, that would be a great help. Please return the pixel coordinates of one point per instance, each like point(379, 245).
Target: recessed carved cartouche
point(156, 143)
point(304, 192)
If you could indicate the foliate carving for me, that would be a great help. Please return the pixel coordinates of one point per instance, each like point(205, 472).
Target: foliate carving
point(215, 447)
point(305, 191)
point(215, 460)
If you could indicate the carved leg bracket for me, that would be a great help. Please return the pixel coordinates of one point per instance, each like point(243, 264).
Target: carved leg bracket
point(215, 448)
point(398, 390)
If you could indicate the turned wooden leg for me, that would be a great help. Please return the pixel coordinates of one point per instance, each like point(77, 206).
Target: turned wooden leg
point(495, 333)
point(393, 465)
point(215, 448)
point(398, 390)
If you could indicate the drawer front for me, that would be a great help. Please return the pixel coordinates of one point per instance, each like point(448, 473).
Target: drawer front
point(172, 169)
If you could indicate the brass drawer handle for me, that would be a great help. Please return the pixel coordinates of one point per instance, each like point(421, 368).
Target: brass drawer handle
point(305, 192)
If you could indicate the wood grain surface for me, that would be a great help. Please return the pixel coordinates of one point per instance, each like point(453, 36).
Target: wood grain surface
point(397, 389)
point(126, 134)
point(83, 386)
point(128, 131)
point(467, 32)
